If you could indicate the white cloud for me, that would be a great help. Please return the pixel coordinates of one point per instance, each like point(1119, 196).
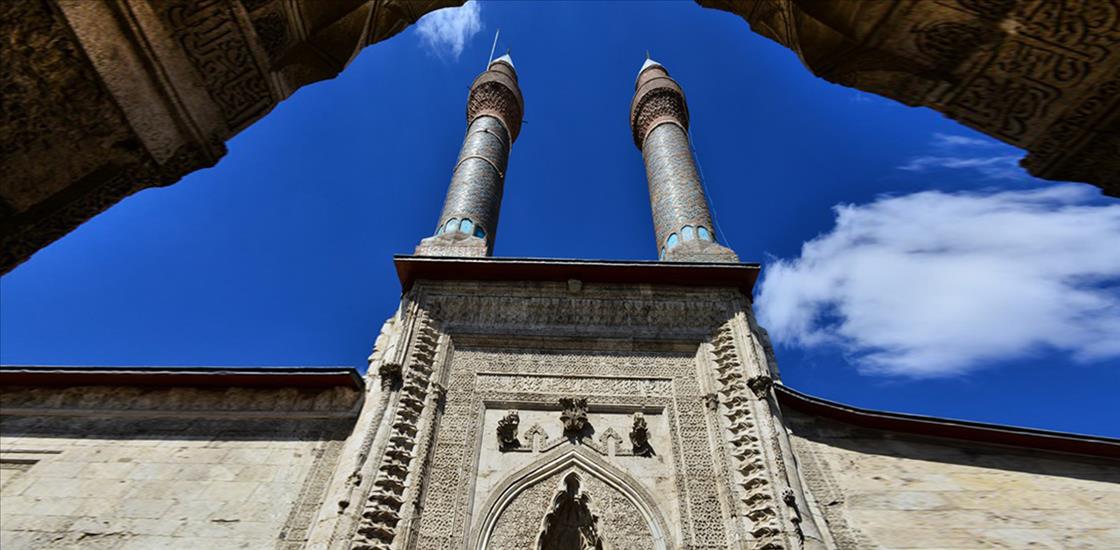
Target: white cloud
point(446, 31)
point(949, 141)
point(936, 284)
point(1002, 167)
point(992, 159)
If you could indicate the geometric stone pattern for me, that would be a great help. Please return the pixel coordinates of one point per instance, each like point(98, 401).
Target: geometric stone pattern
point(721, 478)
point(475, 192)
point(1038, 74)
point(878, 489)
point(446, 523)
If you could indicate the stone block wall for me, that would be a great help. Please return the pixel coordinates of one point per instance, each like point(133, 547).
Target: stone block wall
point(880, 489)
point(130, 479)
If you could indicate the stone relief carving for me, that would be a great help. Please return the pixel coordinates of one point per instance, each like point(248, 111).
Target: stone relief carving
point(573, 415)
point(210, 35)
point(507, 431)
point(533, 519)
point(538, 438)
point(564, 314)
point(570, 524)
point(754, 483)
point(382, 511)
point(69, 142)
point(1018, 70)
point(723, 454)
point(444, 521)
point(610, 442)
point(639, 436)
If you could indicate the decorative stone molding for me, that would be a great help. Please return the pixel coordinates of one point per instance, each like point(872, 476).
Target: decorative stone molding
point(382, 511)
point(755, 480)
point(142, 401)
point(629, 516)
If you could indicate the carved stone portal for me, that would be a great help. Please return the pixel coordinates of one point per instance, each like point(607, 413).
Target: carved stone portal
point(570, 525)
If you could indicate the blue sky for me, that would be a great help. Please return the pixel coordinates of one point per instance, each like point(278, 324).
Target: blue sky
point(909, 264)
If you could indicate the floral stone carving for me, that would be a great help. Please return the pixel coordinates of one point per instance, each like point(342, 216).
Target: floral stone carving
point(639, 436)
point(507, 431)
point(574, 416)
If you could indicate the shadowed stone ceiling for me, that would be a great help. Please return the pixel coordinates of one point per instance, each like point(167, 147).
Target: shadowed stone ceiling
point(102, 99)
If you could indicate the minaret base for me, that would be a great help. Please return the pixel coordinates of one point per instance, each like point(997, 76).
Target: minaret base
point(700, 251)
point(453, 245)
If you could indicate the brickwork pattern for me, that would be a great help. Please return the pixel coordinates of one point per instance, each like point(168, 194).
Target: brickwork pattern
point(675, 193)
point(476, 186)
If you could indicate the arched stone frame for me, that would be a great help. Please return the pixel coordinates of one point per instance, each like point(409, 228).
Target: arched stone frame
point(556, 462)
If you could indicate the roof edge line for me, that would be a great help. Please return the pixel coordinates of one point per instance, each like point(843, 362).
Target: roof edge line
point(1013, 436)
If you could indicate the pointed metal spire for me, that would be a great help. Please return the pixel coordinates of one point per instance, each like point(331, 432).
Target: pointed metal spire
point(649, 63)
point(505, 59)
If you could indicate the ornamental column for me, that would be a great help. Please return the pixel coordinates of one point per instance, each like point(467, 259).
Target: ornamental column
point(682, 222)
point(469, 220)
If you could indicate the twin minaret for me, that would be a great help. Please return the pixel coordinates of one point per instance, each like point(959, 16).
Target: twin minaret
point(659, 120)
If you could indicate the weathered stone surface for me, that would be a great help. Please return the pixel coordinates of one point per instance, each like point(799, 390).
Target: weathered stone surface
point(102, 99)
point(1043, 75)
point(516, 412)
point(577, 370)
point(115, 467)
point(879, 489)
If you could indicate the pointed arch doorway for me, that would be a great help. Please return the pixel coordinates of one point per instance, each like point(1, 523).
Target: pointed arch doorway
point(571, 499)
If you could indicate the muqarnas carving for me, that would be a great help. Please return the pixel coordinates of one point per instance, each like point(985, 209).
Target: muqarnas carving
point(507, 431)
point(569, 524)
point(574, 416)
point(639, 436)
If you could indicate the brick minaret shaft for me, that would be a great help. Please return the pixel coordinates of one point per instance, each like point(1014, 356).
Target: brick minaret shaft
point(469, 220)
point(682, 222)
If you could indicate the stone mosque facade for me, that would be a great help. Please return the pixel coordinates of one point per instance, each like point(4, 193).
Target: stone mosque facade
point(534, 404)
